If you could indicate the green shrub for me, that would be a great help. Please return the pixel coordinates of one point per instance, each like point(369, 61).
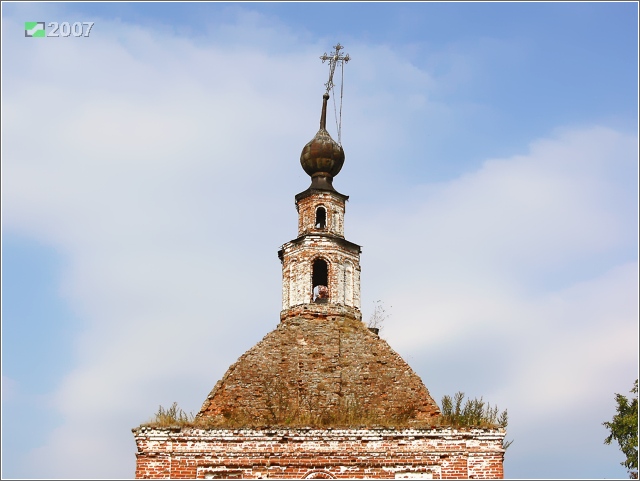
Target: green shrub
point(473, 413)
point(172, 416)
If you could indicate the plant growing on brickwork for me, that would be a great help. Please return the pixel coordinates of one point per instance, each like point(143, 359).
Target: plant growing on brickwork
point(278, 399)
point(303, 406)
point(474, 413)
point(378, 316)
point(624, 429)
point(172, 416)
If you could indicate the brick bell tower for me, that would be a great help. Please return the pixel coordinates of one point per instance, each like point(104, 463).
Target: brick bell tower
point(320, 268)
point(321, 396)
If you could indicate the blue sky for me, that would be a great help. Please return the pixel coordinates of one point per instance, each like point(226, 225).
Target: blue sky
point(148, 176)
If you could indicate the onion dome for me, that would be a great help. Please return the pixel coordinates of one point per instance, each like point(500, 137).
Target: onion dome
point(322, 158)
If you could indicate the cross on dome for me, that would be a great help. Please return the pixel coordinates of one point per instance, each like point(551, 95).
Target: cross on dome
point(334, 58)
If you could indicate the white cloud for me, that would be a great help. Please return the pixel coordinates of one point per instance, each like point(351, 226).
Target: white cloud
point(10, 390)
point(532, 213)
point(576, 339)
point(518, 282)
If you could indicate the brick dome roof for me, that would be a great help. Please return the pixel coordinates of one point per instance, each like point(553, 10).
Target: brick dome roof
point(318, 371)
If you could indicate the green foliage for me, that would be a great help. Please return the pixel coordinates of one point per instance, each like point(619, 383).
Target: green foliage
point(296, 407)
point(172, 416)
point(473, 413)
point(285, 411)
point(624, 429)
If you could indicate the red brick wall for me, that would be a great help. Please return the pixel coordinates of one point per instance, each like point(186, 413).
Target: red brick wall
point(343, 271)
point(438, 453)
point(328, 244)
point(334, 206)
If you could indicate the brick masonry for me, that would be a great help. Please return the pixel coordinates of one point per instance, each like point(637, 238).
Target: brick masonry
point(317, 366)
point(320, 367)
point(334, 205)
point(372, 453)
point(324, 241)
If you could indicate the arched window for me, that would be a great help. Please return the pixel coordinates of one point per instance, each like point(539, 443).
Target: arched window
point(320, 281)
point(316, 474)
point(321, 218)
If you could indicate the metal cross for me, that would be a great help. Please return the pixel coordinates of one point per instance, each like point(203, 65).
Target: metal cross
point(334, 58)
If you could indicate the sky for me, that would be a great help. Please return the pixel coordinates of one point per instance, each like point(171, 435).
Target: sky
point(148, 178)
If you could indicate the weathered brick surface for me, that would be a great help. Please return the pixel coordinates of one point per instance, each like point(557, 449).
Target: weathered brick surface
point(343, 260)
point(320, 241)
point(320, 454)
point(328, 312)
point(334, 205)
point(321, 369)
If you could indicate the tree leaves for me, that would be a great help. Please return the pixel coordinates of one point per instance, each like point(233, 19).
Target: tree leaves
point(623, 428)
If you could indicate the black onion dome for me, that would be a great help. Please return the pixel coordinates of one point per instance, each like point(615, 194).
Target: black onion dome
point(322, 156)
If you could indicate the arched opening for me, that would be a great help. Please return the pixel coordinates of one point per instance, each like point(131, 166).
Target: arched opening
point(321, 218)
point(318, 475)
point(320, 281)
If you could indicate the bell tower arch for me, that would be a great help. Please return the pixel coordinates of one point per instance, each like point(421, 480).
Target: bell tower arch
point(320, 268)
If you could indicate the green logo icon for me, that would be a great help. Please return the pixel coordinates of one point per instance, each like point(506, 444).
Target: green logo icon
point(34, 29)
